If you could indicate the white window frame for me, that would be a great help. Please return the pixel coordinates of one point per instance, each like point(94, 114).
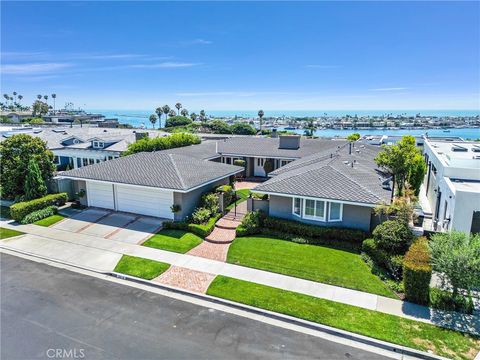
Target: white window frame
point(315, 217)
point(330, 212)
point(301, 207)
point(56, 160)
point(98, 144)
point(285, 162)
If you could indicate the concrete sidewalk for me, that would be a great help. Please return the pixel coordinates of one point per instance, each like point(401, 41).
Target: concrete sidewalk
point(81, 250)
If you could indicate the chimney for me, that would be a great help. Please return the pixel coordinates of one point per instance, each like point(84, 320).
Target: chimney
point(291, 142)
point(140, 135)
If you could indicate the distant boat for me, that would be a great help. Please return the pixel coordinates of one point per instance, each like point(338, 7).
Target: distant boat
point(446, 131)
point(290, 128)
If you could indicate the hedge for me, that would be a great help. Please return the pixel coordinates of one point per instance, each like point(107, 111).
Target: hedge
point(322, 233)
point(202, 230)
point(417, 272)
point(394, 264)
point(39, 214)
point(19, 210)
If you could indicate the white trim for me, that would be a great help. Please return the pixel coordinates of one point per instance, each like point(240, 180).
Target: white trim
point(330, 211)
point(314, 217)
point(293, 207)
point(314, 198)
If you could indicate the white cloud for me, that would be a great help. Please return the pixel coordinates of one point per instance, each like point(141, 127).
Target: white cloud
point(33, 68)
point(390, 89)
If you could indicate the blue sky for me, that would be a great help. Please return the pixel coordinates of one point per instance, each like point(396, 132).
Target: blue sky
point(233, 56)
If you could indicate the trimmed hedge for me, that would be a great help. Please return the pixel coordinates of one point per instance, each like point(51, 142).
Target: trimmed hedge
point(394, 264)
point(19, 210)
point(393, 236)
point(322, 233)
point(417, 272)
point(202, 230)
point(39, 214)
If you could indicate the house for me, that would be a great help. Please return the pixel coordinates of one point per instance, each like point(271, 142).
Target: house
point(16, 116)
point(334, 187)
point(150, 183)
point(452, 184)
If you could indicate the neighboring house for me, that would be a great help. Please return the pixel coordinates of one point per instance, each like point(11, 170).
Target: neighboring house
point(16, 116)
point(337, 186)
point(80, 146)
point(150, 183)
point(452, 184)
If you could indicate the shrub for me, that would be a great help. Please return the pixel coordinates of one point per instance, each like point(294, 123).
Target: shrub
point(393, 236)
point(445, 300)
point(251, 223)
point(227, 192)
point(203, 230)
point(299, 240)
point(393, 264)
point(39, 214)
point(178, 121)
point(19, 210)
point(243, 129)
point(175, 208)
point(417, 272)
point(239, 162)
point(321, 233)
point(210, 202)
point(200, 215)
point(162, 143)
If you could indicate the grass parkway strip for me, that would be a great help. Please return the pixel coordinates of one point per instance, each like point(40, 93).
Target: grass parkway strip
point(7, 233)
point(174, 240)
point(139, 267)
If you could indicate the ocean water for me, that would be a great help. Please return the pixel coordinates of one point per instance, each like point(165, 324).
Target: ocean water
point(139, 118)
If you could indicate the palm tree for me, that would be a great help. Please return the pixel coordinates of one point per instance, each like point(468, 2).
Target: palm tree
point(184, 112)
point(46, 98)
point(166, 110)
point(193, 116)
point(172, 113)
point(20, 97)
point(6, 98)
point(15, 95)
point(202, 116)
point(159, 112)
point(260, 115)
point(178, 106)
point(39, 97)
point(54, 96)
point(153, 120)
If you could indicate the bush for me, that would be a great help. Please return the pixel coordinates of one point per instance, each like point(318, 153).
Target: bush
point(227, 192)
point(162, 143)
point(239, 162)
point(200, 215)
point(445, 300)
point(19, 210)
point(321, 233)
point(203, 230)
point(393, 264)
point(252, 223)
point(243, 129)
point(177, 121)
point(210, 202)
point(417, 272)
point(393, 236)
point(39, 214)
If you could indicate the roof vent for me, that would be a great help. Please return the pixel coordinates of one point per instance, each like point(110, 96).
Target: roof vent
point(476, 148)
point(291, 142)
point(456, 147)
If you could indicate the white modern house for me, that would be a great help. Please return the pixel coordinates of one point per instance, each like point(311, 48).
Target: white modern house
point(452, 184)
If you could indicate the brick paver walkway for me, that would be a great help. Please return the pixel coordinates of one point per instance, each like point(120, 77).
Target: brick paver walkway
point(246, 184)
point(187, 279)
point(212, 251)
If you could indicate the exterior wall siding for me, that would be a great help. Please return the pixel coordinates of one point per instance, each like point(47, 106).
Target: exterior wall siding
point(355, 217)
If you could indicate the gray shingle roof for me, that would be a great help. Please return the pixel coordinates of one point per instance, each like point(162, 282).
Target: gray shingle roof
point(323, 176)
point(155, 169)
point(203, 151)
point(269, 147)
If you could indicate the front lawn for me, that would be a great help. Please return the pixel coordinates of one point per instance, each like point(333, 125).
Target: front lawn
point(311, 262)
point(6, 233)
point(48, 221)
point(140, 267)
point(173, 240)
point(362, 321)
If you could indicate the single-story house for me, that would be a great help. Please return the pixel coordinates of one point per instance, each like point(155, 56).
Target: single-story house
point(150, 183)
point(333, 188)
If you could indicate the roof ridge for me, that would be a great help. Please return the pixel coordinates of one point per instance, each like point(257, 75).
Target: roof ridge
point(356, 182)
point(170, 156)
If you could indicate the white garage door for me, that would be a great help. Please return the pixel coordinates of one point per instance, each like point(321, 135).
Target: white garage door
point(152, 202)
point(100, 195)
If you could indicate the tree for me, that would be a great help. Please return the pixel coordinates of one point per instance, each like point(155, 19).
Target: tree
point(172, 113)
point(162, 143)
point(417, 173)
point(16, 152)
point(177, 121)
point(220, 127)
point(193, 116)
point(243, 129)
point(15, 96)
point(399, 160)
point(46, 98)
point(353, 137)
point(39, 108)
point(159, 112)
point(310, 128)
point(184, 112)
point(456, 259)
point(268, 166)
point(203, 117)
point(39, 97)
point(260, 115)
point(166, 110)
point(153, 120)
point(178, 106)
point(34, 186)
point(54, 96)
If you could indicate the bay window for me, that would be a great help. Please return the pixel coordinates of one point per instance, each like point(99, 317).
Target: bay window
point(314, 209)
point(335, 211)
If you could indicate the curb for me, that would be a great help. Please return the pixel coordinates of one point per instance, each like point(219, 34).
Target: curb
point(397, 349)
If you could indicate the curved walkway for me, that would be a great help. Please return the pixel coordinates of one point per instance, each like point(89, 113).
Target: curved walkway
point(89, 251)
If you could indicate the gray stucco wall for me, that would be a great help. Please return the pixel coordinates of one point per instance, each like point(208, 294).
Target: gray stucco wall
point(355, 217)
point(189, 201)
point(77, 186)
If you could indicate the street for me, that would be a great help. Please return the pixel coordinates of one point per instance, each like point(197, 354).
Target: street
point(47, 312)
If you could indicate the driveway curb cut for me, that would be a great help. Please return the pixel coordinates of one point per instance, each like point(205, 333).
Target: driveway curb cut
point(398, 349)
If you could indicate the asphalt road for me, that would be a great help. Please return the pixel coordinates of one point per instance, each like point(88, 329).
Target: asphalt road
point(51, 313)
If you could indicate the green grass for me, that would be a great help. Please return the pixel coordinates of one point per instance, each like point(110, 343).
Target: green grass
point(362, 321)
point(173, 240)
point(6, 233)
point(48, 221)
point(5, 212)
point(139, 267)
point(242, 195)
point(311, 262)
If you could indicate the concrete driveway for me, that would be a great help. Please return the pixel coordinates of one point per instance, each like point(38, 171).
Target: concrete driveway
point(118, 226)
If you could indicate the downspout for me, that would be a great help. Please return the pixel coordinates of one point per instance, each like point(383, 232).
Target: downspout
point(428, 176)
